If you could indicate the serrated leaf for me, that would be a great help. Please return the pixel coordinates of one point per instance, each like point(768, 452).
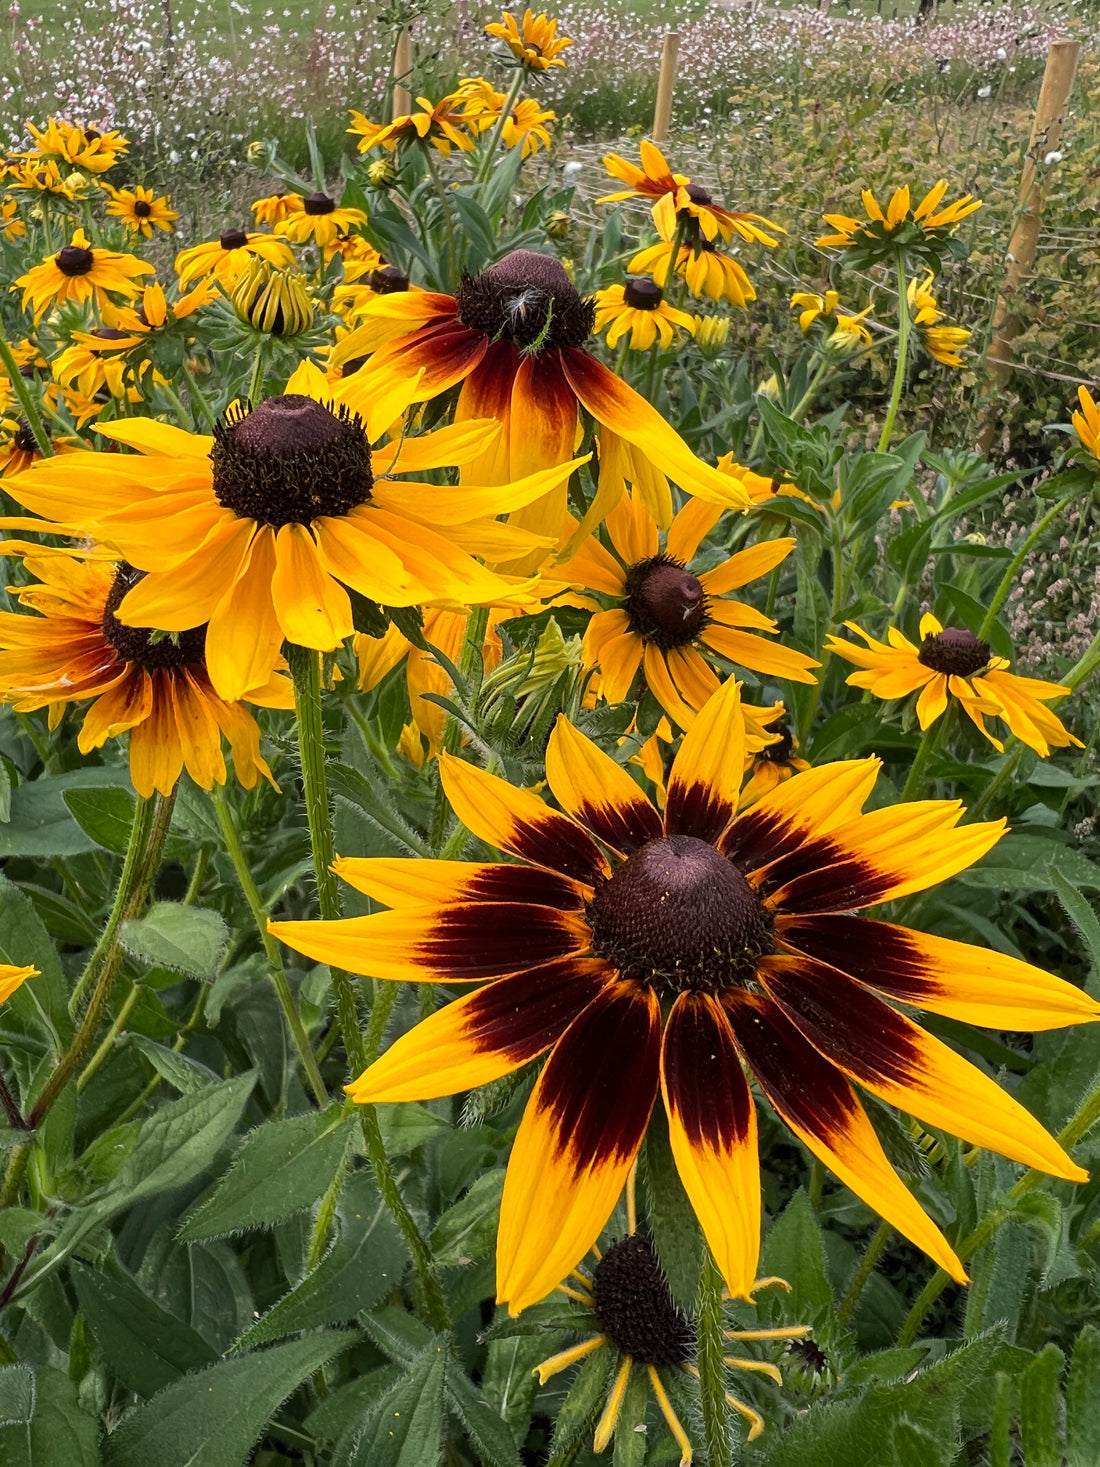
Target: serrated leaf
point(468, 1230)
point(794, 1250)
point(17, 1395)
point(282, 1168)
point(188, 940)
point(213, 1417)
point(399, 1335)
point(366, 1261)
point(59, 1431)
point(1028, 863)
point(1080, 912)
point(1041, 1409)
point(491, 1435)
point(914, 1447)
point(146, 1347)
point(182, 1072)
point(406, 1429)
point(105, 815)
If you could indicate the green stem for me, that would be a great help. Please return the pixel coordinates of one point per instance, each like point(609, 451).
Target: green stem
point(322, 1224)
point(152, 819)
point(863, 1272)
point(712, 1373)
point(1015, 564)
point(256, 381)
point(276, 970)
point(198, 397)
point(486, 166)
point(186, 419)
point(817, 1183)
point(904, 326)
point(812, 389)
point(931, 740)
point(448, 223)
point(1085, 665)
point(27, 405)
point(1003, 775)
point(120, 1021)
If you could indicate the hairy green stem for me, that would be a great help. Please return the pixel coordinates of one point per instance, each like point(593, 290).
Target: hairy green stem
point(712, 1372)
point(448, 222)
point(27, 404)
point(120, 1021)
point(256, 381)
point(1016, 562)
point(863, 1272)
point(904, 327)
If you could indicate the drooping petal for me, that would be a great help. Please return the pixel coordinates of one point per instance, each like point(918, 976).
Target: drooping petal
point(974, 984)
point(712, 1130)
point(598, 792)
point(706, 775)
point(517, 821)
point(485, 1035)
point(414, 882)
point(578, 1139)
point(188, 595)
point(818, 1104)
point(771, 658)
point(897, 1061)
point(313, 608)
point(243, 637)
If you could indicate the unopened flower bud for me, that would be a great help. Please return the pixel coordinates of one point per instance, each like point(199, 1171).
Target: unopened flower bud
point(382, 173)
point(558, 224)
point(257, 152)
point(273, 301)
point(711, 333)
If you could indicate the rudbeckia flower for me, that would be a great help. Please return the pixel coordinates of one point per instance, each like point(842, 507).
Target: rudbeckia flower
point(276, 207)
point(951, 661)
point(77, 650)
point(679, 202)
point(708, 271)
point(638, 308)
point(12, 978)
point(101, 367)
point(535, 43)
point(527, 124)
point(42, 175)
point(81, 147)
point(1086, 423)
point(260, 530)
point(514, 337)
point(826, 309)
point(11, 226)
point(925, 231)
point(320, 219)
point(141, 211)
point(774, 764)
point(944, 343)
point(667, 622)
point(442, 123)
point(18, 447)
point(277, 302)
point(227, 258)
point(665, 955)
point(80, 273)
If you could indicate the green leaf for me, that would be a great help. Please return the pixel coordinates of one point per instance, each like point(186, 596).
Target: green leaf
point(18, 1225)
point(468, 1230)
point(406, 1429)
point(914, 1447)
point(42, 824)
point(213, 1417)
point(405, 1127)
point(366, 1261)
point(182, 1072)
point(1080, 912)
point(1027, 863)
point(1041, 1409)
point(1083, 1400)
point(1000, 1432)
point(23, 940)
point(104, 815)
point(146, 1347)
point(17, 1395)
point(491, 1436)
point(282, 1168)
point(670, 1216)
point(629, 1447)
point(60, 1433)
point(794, 1250)
point(188, 940)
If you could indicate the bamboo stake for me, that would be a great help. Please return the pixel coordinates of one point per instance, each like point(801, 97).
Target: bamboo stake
point(662, 113)
point(1046, 129)
point(401, 104)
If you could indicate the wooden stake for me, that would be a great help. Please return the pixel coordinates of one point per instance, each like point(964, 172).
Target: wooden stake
point(1046, 129)
point(402, 102)
point(662, 113)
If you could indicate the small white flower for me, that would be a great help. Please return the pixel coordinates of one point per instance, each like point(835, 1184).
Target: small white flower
point(1052, 158)
point(984, 91)
point(1002, 54)
point(572, 171)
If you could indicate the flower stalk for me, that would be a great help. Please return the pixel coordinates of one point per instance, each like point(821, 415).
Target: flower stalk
point(27, 405)
point(904, 328)
point(712, 1372)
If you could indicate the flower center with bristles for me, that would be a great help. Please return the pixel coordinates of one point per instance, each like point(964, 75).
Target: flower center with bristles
point(150, 649)
point(388, 280)
point(72, 260)
point(643, 295)
point(233, 239)
point(318, 204)
point(666, 604)
point(23, 439)
point(780, 752)
point(681, 918)
point(954, 651)
point(698, 194)
point(529, 299)
point(142, 209)
point(291, 460)
point(635, 1308)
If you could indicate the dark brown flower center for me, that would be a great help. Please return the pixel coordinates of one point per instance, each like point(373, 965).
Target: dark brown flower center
point(290, 461)
point(678, 916)
point(388, 280)
point(698, 194)
point(23, 439)
point(780, 752)
point(635, 1308)
point(142, 209)
point(318, 204)
point(529, 299)
point(233, 239)
point(110, 333)
point(643, 295)
point(954, 651)
point(142, 645)
point(72, 260)
point(666, 604)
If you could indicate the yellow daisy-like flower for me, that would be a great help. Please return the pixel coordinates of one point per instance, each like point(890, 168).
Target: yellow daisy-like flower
point(227, 258)
point(155, 688)
point(141, 211)
point(707, 271)
point(276, 207)
point(668, 623)
point(18, 446)
point(99, 368)
point(772, 765)
point(638, 307)
point(260, 529)
point(12, 978)
point(80, 273)
point(944, 343)
point(44, 176)
point(138, 319)
point(444, 124)
point(924, 231)
point(1086, 423)
point(527, 126)
point(952, 661)
point(11, 226)
point(321, 220)
point(534, 42)
point(656, 959)
point(480, 102)
point(81, 147)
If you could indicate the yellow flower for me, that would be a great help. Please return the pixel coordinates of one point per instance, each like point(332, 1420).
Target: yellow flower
point(227, 258)
point(666, 623)
point(89, 366)
point(1086, 423)
point(771, 766)
point(82, 147)
point(273, 301)
point(442, 123)
point(12, 978)
point(276, 207)
point(952, 661)
point(537, 46)
point(320, 220)
point(11, 226)
point(707, 271)
point(45, 177)
point(639, 307)
point(924, 231)
point(140, 211)
point(157, 688)
point(81, 273)
point(711, 332)
point(942, 342)
point(527, 124)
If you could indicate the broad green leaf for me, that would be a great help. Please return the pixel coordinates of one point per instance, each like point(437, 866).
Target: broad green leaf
point(282, 1168)
point(1081, 913)
point(670, 1216)
point(183, 1073)
point(18, 1225)
point(468, 1230)
point(1028, 862)
point(399, 1335)
point(146, 1347)
point(1083, 1400)
point(508, 1376)
point(406, 1427)
point(366, 1261)
point(213, 1417)
point(188, 940)
point(60, 1434)
point(40, 1003)
point(405, 1127)
point(41, 823)
point(491, 1435)
point(1000, 1277)
point(914, 1447)
point(104, 815)
point(795, 1252)
point(1041, 1409)
point(339, 1418)
point(17, 1395)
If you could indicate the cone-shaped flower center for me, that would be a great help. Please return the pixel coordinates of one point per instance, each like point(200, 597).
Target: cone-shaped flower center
point(780, 752)
point(635, 1308)
point(643, 295)
point(233, 239)
point(23, 439)
point(678, 916)
point(291, 460)
point(151, 650)
point(954, 651)
point(72, 260)
point(666, 604)
point(529, 299)
point(698, 194)
point(388, 280)
point(109, 333)
point(142, 209)
point(318, 204)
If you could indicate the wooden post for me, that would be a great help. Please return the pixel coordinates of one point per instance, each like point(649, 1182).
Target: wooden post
point(1046, 129)
point(402, 102)
point(662, 113)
